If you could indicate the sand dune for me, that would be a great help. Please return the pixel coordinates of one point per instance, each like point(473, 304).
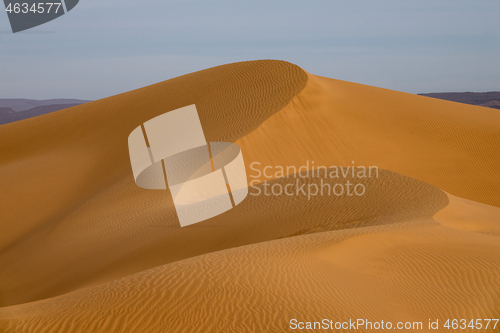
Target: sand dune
point(85, 250)
point(370, 273)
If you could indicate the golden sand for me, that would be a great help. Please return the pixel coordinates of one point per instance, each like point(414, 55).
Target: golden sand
point(83, 249)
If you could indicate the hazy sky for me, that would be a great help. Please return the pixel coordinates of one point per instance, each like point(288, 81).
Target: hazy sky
point(105, 47)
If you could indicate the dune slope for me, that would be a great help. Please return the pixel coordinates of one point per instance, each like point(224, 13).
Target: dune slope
point(65, 170)
point(449, 145)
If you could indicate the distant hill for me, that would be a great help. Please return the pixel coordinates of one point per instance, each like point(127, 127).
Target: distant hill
point(488, 99)
point(19, 104)
point(18, 109)
point(7, 115)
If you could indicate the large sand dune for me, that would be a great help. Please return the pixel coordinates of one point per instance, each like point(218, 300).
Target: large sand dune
point(83, 249)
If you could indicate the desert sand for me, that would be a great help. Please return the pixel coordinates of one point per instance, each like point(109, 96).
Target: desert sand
point(83, 249)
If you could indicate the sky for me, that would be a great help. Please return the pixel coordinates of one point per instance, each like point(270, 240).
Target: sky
point(106, 47)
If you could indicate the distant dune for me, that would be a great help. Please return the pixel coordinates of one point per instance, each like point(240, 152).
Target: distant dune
point(83, 249)
point(488, 99)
